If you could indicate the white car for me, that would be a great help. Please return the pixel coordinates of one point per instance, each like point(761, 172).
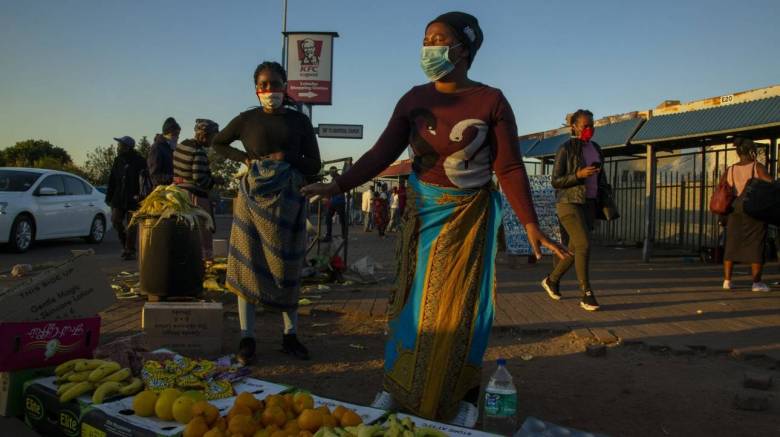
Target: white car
point(38, 204)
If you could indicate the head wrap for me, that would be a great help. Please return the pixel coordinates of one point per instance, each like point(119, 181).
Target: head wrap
point(466, 28)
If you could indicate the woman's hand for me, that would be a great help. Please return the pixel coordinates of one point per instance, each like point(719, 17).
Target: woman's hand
point(584, 172)
point(537, 239)
point(321, 189)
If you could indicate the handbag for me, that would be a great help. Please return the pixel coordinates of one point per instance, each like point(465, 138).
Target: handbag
point(723, 196)
point(606, 209)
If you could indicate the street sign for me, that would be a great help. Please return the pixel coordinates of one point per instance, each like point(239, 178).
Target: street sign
point(310, 66)
point(350, 131)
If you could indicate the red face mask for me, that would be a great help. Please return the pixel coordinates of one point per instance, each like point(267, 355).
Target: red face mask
point(587, 133)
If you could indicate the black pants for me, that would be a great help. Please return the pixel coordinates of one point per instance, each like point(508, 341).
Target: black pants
point(341, 211)
point(128, 235)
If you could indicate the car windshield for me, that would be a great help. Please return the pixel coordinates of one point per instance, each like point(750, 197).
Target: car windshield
point(14, 180)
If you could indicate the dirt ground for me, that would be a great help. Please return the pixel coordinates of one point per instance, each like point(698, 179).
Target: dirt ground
point(632, 391)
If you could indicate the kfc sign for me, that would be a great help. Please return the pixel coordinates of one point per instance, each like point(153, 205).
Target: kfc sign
point(310, 67)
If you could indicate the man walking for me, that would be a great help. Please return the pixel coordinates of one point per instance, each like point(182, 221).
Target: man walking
point(366, 207)
point(160, 157)
point(124, 193)
point(337, 206)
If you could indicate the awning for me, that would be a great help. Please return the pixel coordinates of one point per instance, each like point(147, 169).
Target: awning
point(548, 147)
point(398, 168)
point(721, 120)
point(618, 134)
point(526, 145)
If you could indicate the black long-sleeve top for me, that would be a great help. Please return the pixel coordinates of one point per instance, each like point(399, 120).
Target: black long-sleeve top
point(262, 134)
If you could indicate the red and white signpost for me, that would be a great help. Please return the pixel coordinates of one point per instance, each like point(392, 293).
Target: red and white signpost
point(310, 67)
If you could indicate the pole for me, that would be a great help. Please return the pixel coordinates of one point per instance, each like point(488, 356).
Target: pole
point(650, 178)
point(702, 193)
point(284, 36)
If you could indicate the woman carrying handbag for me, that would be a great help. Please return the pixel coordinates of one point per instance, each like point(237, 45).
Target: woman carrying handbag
point(745, 236)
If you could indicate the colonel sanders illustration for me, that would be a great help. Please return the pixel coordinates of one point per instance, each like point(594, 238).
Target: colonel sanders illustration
point(310, 56)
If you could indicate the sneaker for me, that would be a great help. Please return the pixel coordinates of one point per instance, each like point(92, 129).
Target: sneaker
point(467, 415)
point(551, 288)
point(727, 285)
point(291, 345)
point(246, 351)
point(384, 401)
point(760, 286)
point(589, 302)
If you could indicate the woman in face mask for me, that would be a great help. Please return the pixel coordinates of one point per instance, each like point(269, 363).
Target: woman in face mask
point(268, 237)
point(578, 180)
point(461, 131)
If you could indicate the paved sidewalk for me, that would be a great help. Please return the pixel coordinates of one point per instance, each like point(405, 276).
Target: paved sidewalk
point(667, 303)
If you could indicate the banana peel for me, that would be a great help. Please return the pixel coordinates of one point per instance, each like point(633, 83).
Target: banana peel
point(67, 366)
point(84, 365)
point(79, 376)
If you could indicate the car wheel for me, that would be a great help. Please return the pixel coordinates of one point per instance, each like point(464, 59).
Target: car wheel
point(97, 231)
point(22, 234)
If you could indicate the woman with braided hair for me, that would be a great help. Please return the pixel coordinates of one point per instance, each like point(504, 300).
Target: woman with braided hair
point(268, 237)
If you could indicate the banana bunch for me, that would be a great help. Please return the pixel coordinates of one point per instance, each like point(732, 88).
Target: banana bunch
point(102, 378)
point(392, 428)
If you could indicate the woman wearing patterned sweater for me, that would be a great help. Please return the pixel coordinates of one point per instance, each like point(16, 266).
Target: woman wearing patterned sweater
point(191, 171)
point(441, 313)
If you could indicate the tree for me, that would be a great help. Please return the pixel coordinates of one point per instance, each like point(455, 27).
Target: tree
point(144, 146)
point(29, 153)
point(99, 163)
point(224, 170)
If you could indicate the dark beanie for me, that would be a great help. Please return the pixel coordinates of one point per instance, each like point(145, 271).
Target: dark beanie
point(466, 28)
point(170, 126)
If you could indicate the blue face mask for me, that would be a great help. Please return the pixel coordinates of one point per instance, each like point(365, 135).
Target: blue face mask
point(435, 61)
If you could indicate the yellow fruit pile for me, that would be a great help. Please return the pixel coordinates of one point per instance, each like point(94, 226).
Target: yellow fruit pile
point(104, 379)
point(171, 404)
point(290, 415)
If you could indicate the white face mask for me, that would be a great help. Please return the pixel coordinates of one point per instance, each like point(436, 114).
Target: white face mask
point(271, 100)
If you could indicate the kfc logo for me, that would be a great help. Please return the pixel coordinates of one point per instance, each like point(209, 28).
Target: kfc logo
point(309, 52)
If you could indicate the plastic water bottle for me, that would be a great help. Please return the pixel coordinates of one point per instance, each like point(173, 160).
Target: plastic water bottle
point(500, 406)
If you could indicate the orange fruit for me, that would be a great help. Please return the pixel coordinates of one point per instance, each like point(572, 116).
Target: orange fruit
point(274, 400)
point(196, 428)
point(324, 409)
point(350, 418)
point(274, 415)
point(288, 400)
point(262, 433)
point(248, 400)
point(214, 432)
point(338, 412)
point(280, 434)
point(292, 427)
point(239, 410)
point(305, 434)
point(303, 401)
point(221, 424)
point(272, 429)
point(328, 421)
point(310, 420)
point(243, 425)
point(205, 409)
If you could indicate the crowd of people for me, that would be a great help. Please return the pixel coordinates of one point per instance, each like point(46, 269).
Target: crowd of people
point(462, 132)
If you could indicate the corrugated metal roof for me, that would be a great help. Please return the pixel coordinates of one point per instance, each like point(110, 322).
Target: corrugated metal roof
point(712, 121)
point(548, 146)
point(618, 134)
point(398, 168)
point(527, 144)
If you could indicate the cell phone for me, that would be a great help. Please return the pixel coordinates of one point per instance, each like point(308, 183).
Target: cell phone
point(596, 164)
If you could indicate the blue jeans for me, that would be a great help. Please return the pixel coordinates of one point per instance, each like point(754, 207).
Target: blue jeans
point(246, 318)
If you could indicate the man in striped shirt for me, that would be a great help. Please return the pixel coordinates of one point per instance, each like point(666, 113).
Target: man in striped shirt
point(191, 171)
